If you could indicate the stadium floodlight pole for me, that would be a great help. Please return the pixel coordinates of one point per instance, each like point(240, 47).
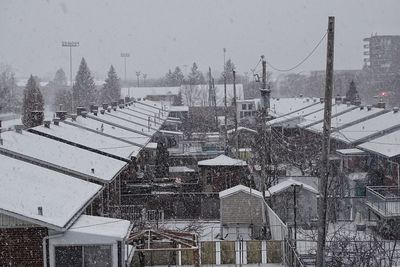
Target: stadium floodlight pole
point(70, 44)
point(125, 55)
point(138, 75)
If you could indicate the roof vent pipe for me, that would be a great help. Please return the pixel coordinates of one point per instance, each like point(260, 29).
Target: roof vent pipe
point(361, 107)
point(102, 111)
point(369, 107)
point(56, 121)
point(46, 124)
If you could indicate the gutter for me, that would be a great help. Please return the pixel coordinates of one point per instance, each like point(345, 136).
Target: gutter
point(44, 245)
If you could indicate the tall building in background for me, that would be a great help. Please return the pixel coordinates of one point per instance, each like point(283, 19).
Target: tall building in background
point(382, 59)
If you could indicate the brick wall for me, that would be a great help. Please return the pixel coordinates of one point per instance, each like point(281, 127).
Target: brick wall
point(21, 246)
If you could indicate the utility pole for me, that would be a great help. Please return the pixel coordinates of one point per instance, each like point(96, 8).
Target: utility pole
point(324, 168)
point(235, 116)
point(215, 103)
point(225, 108)
point(210, 96)
point(137, 76)
point(70, 44)
point(265, 140)
point(125, 55)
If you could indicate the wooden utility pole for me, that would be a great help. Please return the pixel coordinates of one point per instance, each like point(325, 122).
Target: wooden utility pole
point(226, 116)
point(265, 144)
point(324, 168)
point(210, 96)
point(235, 116)
point(215, 103)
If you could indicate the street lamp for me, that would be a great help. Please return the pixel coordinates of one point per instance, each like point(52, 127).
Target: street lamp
point(125, 55)
point(138, 75)
point(70, 44)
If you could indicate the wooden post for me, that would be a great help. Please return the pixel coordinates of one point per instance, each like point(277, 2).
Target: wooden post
point(324, 168)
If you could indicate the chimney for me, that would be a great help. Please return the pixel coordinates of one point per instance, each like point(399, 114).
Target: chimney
point(105, 106)
point(61, 114)
point(338, 99)
point(73, 117)
point(18, 128)
point(102, 111)
point(369, 107)
point(395, 109)
point(95, 112)
point(92, 170)
point(321, 100)
point(79, 110)
point(40, 210)
point(348, 103)
point(109, 109)
point(361, 107)
point(56, 121)
point(47, 124)
point(84, 113)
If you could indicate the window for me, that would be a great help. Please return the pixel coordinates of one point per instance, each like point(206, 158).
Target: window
point(209, 178)
point(250, 106)
point(87, 256)
point(244, 106)
point(241, 114)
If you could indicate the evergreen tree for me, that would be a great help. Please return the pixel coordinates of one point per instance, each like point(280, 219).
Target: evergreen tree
point(178, 76)
point(169, 79)
point(111, 89)
point(33, 101)
point(84, 89)
point(63, 100)
point(8, 100)
point(229, 67)
point(195, 75)
point(60, 79)
point(352, 94)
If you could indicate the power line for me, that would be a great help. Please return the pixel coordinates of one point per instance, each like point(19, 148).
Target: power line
point(301, 62)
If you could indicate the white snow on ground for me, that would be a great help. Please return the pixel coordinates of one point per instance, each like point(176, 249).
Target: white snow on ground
point(25, 187)
point(63, 155)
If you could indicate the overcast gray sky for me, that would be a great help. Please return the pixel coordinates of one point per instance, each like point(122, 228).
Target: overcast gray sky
point(161, 34)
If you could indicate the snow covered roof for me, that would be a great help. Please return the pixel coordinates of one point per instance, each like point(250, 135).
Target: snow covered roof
point(371, 128)
point(142, 92)
point(237, 189)
point(111, 130)
point(347, 119)
point(296, 115)
point(222, 160)
point(350, 152)
point(89, 139)
point(180, 169)
point(178, 108)
point(387, 145)
point(240, 128)
point(151, 145)
point(101, 226)
point(284, 106)
point(318, 116)
point(25, 187)
point(282, 186)
point(62, 156)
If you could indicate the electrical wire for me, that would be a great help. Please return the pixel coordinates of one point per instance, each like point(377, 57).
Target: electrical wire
point(302, 61)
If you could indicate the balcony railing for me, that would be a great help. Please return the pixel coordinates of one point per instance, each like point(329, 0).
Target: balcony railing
point(384, 200)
